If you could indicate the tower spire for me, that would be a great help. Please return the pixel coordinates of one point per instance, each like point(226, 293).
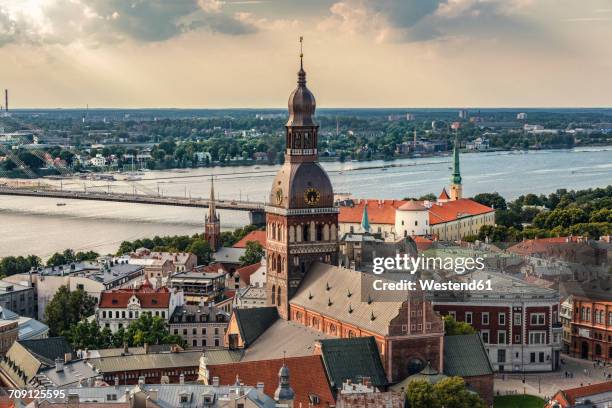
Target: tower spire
point(365, 222)
point(456, 188)
point(212, 226)
point(301, 72)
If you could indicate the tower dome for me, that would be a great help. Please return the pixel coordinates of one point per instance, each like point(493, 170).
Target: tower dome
point(302, 103)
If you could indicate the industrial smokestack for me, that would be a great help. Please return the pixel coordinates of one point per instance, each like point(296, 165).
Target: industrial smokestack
point(6, 100)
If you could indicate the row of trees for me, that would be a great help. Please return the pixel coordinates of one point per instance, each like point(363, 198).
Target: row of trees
point(449, 392)
point(11, 265)
point(562, 213)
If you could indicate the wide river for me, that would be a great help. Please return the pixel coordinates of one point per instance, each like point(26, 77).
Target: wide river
point(39, 226)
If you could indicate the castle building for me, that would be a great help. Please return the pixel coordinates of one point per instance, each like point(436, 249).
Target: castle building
point(212, 225)
point(302, 222)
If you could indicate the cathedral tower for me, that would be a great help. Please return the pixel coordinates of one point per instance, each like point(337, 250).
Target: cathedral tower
point(301, 220)
point(212, 224)
point(456, 190)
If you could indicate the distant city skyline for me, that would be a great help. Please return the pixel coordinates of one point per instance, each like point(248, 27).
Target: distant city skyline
point(358, 53)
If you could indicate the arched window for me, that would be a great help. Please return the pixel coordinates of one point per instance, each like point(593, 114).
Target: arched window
point(273, 231)
point(598, 349)
point(326, 232)
point(306, 236)
point(279, 234)
point(319, 236)
point(351, 334)
point(298, 234)
point(278, 296)
point(279, 265)
point(273, 294)
point(291, 233)
point(333, 232)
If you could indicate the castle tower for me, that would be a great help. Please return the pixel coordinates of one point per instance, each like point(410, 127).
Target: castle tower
point(301, 220)
point(212, 221)
point(456, 190)
point(284, 395)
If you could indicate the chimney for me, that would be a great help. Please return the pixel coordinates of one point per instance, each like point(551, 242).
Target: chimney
point(59, 365)
point(215, 381)
point(153, 395)
point(260, 390)
point(116, 381)
point(141, 380)
point(72, 401)
point(6, 100)
point(125, 348)
point(146, 348)
point(182, 379)
point(67, 357)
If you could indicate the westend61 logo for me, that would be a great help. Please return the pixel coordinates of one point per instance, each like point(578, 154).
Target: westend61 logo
point(396, 268)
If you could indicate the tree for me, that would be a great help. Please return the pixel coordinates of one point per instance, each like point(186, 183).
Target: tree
point(202, 250)
point(453, 327)
point(151, 330)
point(449, 392)
point(493, 200)
point(420, 394)
point(88, 335)
point(67, 308)
point(253, 253)
point(11, 265)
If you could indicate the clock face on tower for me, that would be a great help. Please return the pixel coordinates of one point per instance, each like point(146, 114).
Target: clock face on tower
point(312, 196)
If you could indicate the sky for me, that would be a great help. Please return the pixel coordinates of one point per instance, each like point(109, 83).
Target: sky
point(357, 53)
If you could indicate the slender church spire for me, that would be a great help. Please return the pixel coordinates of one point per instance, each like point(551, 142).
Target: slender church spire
point(212, 226)
point(365, 223)
point(456, 188)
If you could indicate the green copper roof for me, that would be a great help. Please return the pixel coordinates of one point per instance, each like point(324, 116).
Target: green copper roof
point(352, 358)
point(465, 356)
point(456, 177)
point(365, 223)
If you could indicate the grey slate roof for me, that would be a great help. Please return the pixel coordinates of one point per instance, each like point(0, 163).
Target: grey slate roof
point(352, 358)
point(146, 361)
point(325, 290)
point(465, 356)
point(47, 350)
point(284, 338)
point(229, 255)
point(253, 322)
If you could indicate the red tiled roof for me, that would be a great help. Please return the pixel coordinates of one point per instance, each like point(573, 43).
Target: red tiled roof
point(580, 392)
point(451, 210)
point(412, 205)
point(149, 298)
point(259, 236)
point(422, 243)
point(383, 211)
point(443, 195)
point(379, 211)
point(306, 376)
point(539, 245)
point(246, 271)
point(212, 268)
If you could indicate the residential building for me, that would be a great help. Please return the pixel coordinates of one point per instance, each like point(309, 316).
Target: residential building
point(588, 396)
point(27, 327)
point(119, 307)
point(251, 275)
point(198, 286)
point(18, 296)
point(519, 323)
point(181, 261)
point(567, 315)
point(92, 277)
point(27, 358)
point(143, 395)
point(200, 326)
point(250, 296)
point(8, 335)
point(592, 326)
